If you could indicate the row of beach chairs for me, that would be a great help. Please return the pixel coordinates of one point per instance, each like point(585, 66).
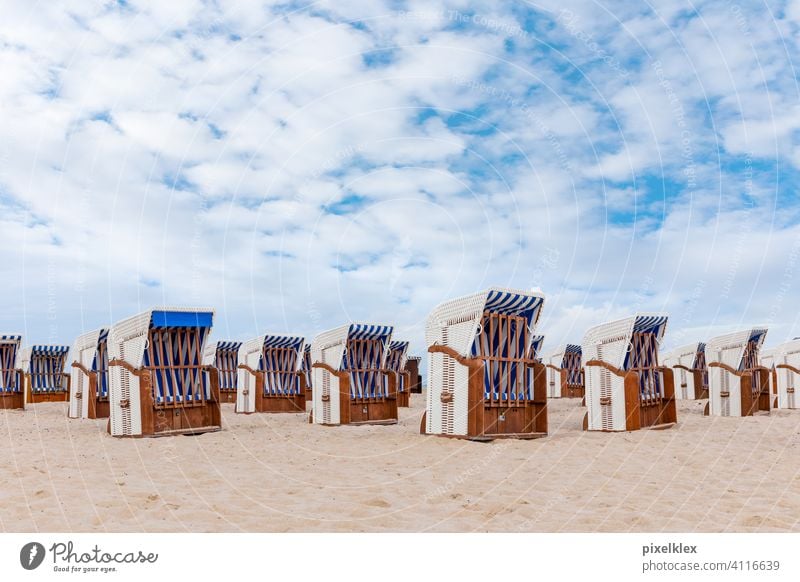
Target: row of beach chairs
point(158, 373)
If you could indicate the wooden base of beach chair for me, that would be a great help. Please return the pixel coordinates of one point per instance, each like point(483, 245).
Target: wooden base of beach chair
point(227, 396)
point(101, 409)
point(309, 394)
point(11, 401)
point(573, 391)
point(379, 412)
point(39, 397)
point(291, 403)
point(403, 400)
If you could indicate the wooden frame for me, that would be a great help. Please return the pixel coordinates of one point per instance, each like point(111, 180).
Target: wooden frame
point(12, 381)
point(352, 383)
point(159, 385)
point(270, 375)
point(754, 393)
point(485, 381)
point(626, 388)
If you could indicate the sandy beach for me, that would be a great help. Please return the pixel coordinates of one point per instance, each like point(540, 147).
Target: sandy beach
point(276, 473)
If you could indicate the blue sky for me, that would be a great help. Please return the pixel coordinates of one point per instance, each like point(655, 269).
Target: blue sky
point(296, 165)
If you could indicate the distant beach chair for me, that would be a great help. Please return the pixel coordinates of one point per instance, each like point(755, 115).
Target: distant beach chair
point(626, 389)
point(348, 374)
point(270, 378)
point(738, 385)
point(689, 371)
point(88, 395)
point(564, 372)
point(396, 362)
point(306, 368)
point(482, 382)
point(787, 374)
point(767, 359)
point(12, 383)
point(158, 384)
point(44, 369)
point(535, 353)
point(223, 357)
point(412, 367)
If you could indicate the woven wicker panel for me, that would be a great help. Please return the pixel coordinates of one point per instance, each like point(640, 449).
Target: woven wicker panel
point(82, 351)
point(788, 353)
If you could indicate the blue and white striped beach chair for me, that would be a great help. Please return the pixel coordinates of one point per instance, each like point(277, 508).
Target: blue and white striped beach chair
point(482, 381)
point(270, 378)
point(738, 385)
point(45, 371)
point(564, 372)
point(626, 388)
point(12, 384)
point(396, 359)
point(88, 396)
point(158, 384)
point(349, 376)
point(223, 357)
point(689, 371)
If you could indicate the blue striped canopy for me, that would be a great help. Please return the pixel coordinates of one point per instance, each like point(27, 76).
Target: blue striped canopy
point(181, 319)
point(366, 331)
point(510, 303)
point(573, 349)
point(283, 341)
point(10, 338)
point(228, 346)
point(650, 324)
point(49, 350)
point(398, 345)
point(536, 344)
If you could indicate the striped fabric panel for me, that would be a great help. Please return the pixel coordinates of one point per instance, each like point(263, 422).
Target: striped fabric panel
point(100, 364)
point(363, 359)
point(361, 331)
point(175, 355)
point(394, 360)
point(650, 324)
point(536, 347)
point(511, 303)
point(283, 341)
point(47, 367)
point(279, 365)
point(572, 364)
point(9, 345)
point(643, 357)
point(306, 365)
point(226, 360)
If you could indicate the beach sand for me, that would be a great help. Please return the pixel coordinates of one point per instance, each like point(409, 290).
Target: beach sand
point(275, 473)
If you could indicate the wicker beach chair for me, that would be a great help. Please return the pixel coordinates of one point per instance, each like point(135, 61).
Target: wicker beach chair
point(564, 372)
point(412, 367)
point(626, 389)
point(689, 371)
point(12, 383)
point(45, 370)
point(270, 378)
point(223, 356)
point(786, 374)
point(351, 383)
point(482, 382)
point(158, 384)
point(738, 385)
point(88, 395)
point(396, 357)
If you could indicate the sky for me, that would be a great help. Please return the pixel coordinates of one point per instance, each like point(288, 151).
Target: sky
point(300, 165)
